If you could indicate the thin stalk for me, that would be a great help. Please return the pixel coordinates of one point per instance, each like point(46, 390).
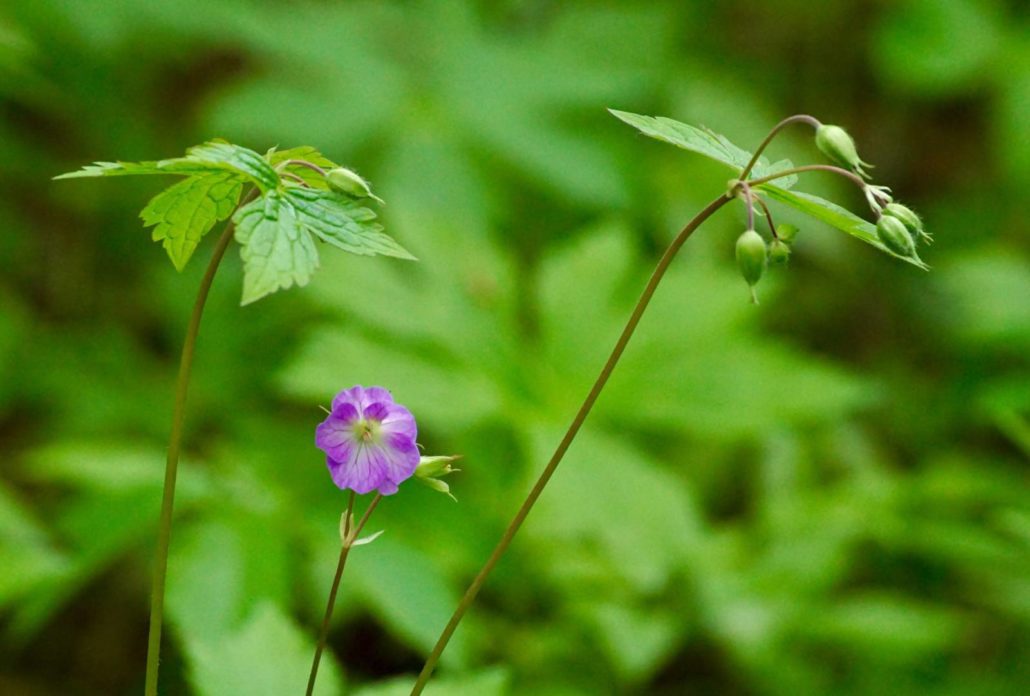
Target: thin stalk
point(559, 453)
point(768, 216)
point(164, 531)
point(749, 199)
point(348, 541)
point(852, 177)
point(799, 118)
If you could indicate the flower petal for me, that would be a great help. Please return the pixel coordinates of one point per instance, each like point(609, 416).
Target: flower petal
point(360, 397)
point(335, 435)
point(398, 420)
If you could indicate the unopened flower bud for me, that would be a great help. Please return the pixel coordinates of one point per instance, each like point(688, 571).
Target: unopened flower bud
point(895, 236)
point(751, 257)
point(779, 252)
point(835, 143)
point(787, 232)
point(432, 467)
point(909, 218)
point(346, 181)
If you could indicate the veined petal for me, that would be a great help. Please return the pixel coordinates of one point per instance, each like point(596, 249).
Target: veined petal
point(399, 420)
point(335, 436)
point(360, 397)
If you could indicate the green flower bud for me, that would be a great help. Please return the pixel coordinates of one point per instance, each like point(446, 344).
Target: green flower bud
point(787, 232)
point(835, 143)
point(895, 236)
point(349, 182)
point(432, 467)
point(751, 257)
point(910, 220)
point(779, 252)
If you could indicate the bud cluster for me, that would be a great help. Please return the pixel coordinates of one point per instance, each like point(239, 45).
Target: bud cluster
point(898, 228)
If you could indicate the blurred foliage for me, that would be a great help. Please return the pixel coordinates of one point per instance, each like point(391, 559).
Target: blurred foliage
point(825, 495)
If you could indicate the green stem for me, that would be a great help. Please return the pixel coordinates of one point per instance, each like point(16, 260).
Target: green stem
point(348, 541)
point(559, 453)
point(853, 178)
point(164, 532)
point(798, 118)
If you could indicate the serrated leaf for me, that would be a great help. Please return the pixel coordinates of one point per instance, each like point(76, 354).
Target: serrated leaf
point(835, 216)
point(185, 212)
point(304, 152)
point(344, 223)
point(235, 157)
point(276, 249)
point(213, 156)
point(703, 141)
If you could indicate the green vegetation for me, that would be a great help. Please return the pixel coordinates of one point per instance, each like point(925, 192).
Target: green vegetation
point(824, 494)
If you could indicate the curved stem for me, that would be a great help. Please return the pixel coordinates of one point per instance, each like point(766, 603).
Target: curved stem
point(749, 200)
point(164, 532)
point(850, 176)
point(559, 453)
point(768, 216)
point(304, 163)
point(798, 118)
point(348, 541)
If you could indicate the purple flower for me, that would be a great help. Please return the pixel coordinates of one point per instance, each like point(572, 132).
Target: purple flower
point(369, 441)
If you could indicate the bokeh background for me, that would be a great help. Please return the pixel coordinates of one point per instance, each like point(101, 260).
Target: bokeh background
point(826, 493)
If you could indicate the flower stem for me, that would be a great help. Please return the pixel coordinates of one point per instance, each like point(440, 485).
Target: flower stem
point(570, 434)
point(348, 541)
point(798, 118)
point(853, 178)
point(164, 532)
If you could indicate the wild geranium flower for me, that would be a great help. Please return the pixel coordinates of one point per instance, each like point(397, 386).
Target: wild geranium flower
point(369, 441)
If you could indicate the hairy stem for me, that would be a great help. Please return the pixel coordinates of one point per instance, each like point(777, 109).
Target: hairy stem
point(559, 453)
point(164, 531)
point(798, 118)
point(348, 541)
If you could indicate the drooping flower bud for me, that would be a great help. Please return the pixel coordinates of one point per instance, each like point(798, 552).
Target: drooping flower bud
point(349, 182)
point(909, 218)
point(787, 232)
point(779, 252)
point(751, 257)
point(835, 143)
point(895, 236)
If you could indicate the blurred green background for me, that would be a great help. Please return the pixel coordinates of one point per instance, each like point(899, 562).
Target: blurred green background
point(824, 494)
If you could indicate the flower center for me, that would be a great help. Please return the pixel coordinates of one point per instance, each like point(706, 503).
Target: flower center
point(367, 430)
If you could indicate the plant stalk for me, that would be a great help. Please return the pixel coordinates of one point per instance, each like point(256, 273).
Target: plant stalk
point(798, 118)
point(164, 532)
point(563, 446)
point(348, 541)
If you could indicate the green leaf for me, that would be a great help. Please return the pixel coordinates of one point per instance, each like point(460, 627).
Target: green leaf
point(835, 216)
point(268, 656)
point(704, 142)
point(493, 682)
point(219, 153)
point(185, 212)
point(276, 249)
point(307, 153)
point(343, 222)
point(213, 156)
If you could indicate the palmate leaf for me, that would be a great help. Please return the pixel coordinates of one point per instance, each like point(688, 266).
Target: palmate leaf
point(184, 213)
point(277, 250)
point(213, 156)
point(344, 223)
point(717, 147)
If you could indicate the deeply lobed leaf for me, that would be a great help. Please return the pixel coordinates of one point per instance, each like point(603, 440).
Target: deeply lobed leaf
point(276, 249)
point(344, 223)
point(184, 213)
